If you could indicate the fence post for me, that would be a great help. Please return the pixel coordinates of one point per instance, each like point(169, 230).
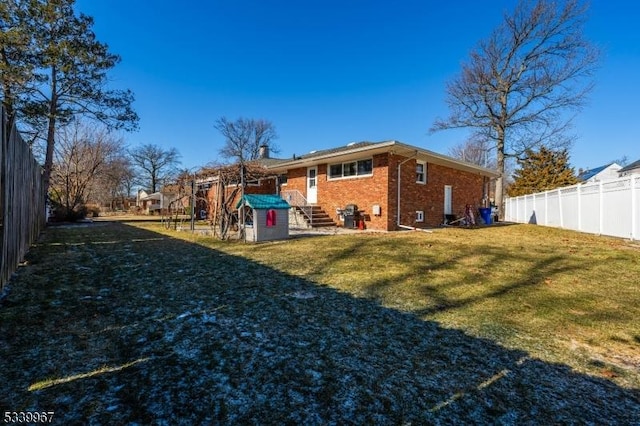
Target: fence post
point(560, 207)
point(579, 192)
point(546, 208)
point(634, 211)
point(601, 207)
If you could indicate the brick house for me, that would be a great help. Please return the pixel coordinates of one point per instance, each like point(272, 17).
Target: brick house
point(222, 185)
point(382, 179)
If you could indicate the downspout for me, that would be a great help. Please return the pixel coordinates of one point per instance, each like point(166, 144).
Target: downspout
point(399, 178)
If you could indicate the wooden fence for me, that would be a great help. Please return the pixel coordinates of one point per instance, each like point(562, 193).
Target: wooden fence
point(22, 200)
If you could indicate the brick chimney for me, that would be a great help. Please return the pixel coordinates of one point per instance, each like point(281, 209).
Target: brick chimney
point(263, 151)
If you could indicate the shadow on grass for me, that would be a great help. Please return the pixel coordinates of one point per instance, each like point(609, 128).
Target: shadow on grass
point(114, 325)
point(448, 294)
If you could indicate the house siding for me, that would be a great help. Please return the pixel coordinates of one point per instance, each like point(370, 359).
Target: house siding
point(381, 188)
point(467, 188)
point(363, 191)
point(296, 180)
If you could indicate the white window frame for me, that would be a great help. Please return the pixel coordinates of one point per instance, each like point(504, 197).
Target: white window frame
point(422, 181)
point(349, 176)
point(419, 215)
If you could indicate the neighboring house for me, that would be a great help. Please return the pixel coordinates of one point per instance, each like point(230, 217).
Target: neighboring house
point(393, 185)
point(606, 172)
point(158, 202)
point(631, 169)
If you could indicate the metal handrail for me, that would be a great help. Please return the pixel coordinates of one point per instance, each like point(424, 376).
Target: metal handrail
point(296, 199)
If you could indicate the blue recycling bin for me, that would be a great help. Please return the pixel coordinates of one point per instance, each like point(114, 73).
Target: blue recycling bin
point(485, 214)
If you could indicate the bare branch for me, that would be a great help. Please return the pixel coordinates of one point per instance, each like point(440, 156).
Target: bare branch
point(523, 84)
point(154, 165)
point(244, 137)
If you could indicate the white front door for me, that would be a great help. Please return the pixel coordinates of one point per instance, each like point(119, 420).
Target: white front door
point(312, 185)
point(447, 199)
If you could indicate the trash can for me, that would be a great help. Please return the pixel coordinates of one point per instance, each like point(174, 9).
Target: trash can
point(350, 213)
point(485, 214)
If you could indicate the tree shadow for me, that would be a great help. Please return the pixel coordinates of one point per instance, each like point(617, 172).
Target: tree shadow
point(191, 335)
point(536, 273)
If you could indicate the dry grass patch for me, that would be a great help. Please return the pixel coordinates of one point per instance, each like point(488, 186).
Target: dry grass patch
point(117, 324)
point(561, 296)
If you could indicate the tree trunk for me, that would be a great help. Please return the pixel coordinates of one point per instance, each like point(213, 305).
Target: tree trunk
point(51, 132)
point(501, 169)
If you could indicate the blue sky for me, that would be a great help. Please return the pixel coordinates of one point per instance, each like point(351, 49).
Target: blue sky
point(331, 72)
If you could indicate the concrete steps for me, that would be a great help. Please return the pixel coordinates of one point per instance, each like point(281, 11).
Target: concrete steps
point(319, 218)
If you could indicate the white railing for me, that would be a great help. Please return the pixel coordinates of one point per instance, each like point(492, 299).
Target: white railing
point(609, 207)
point(296, 199)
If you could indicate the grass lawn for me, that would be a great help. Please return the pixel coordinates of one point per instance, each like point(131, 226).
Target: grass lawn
point(559, 295)
point(117, 323)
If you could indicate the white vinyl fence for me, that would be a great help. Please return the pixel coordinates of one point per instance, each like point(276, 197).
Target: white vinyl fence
point(610, 207)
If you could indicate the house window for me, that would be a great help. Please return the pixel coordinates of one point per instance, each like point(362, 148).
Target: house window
point(271, 218)
point(421, 172)
point(335, 171)
point(311, 178)
point(350, 169)
point(419, 216)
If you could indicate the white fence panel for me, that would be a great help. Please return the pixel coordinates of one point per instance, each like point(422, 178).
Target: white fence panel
point(617, 202)
point(569, 207)
point(553, 209)
point(608, 207)
point(590, 209)
point(539, 205)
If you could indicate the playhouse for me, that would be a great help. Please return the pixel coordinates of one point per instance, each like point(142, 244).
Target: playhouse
point(266, 217)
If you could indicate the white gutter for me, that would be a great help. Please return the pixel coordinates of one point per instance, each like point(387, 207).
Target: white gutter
point(399, 166)
point(379, 147)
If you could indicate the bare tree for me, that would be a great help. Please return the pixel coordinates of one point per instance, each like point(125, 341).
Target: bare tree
point(245, 136)
point(115, 182)
point(154, 165)
point(623, 161)
point(80, 157)
point(520, 84)
point(225, 191)
point(475, 151)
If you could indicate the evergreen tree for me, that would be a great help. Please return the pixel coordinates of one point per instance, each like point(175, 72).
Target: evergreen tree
point(58, 72)
point(541, 171)
point(16, 64)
